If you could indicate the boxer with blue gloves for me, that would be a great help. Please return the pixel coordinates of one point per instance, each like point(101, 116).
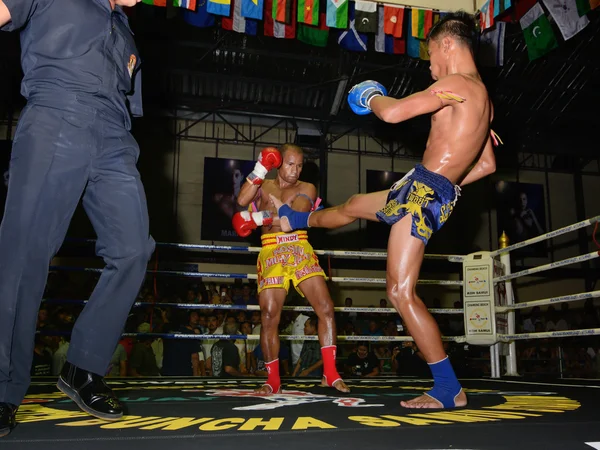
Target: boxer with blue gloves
point(459, 151)
point(360, 96)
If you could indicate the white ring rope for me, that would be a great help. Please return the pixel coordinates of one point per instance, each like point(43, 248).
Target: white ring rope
point(549, 301)
point(284, 337)
point(545, 267)
point(546, 236)
point(549, 334)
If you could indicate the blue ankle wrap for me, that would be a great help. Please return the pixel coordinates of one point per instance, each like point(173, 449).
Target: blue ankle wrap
point(298, 220)
point(445, 385)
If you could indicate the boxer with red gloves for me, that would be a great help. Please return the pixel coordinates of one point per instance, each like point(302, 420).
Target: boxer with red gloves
point(285, 258)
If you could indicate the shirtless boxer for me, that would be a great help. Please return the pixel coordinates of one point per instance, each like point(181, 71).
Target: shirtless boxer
point(459, 151)
point(285, 258)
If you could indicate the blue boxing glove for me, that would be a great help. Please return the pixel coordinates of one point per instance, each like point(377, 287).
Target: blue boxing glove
point(298, 220)
point(360, 96)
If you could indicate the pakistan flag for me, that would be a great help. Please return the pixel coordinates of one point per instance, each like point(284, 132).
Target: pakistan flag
point(539, 36)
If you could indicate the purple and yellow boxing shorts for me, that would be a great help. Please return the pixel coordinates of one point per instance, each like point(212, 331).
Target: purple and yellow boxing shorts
point(427, 196)
point(286, 257)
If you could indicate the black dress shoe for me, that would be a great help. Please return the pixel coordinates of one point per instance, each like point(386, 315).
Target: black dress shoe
point(7, 418)
point(90, 392)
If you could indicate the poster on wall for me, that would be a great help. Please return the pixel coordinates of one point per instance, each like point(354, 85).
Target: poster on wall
point(223, 179)
point(521, 213)
point(379, 180)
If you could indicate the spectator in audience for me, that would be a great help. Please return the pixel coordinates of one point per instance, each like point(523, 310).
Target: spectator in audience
point(42, 319)
point(374, 329)
point(258, 361)
point(590, 315)
point(298, 327)
point(118, 363)
point(310, 362)
point(363, 363)
point(407, 360)
point(225, 358)
point(180, 356)
point(246, 297)
point(59, 357)
point(351, 315)
point(41, 365)
point(551, 318)
point(143, 361)
point(242, 317)
point(244, 349)
point(534, 317)
point(213, 328)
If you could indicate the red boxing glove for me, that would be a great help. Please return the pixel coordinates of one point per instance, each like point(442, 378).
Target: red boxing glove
point(245, 222)
point(269, 158)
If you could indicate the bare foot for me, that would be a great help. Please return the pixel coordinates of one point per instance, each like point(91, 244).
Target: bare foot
point(266, 389)
point(339, 385)
point(427, 402)
point(284, 222)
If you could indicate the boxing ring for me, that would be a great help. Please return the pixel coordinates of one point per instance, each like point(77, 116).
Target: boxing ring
point(505, 409)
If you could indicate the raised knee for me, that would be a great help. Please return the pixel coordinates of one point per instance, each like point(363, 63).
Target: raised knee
point(135, 253)
point(351, 204)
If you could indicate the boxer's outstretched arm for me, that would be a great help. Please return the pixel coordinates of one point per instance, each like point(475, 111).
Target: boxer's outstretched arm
point(248, 194)
point(443, 93)
point(486, 165)
point(4, 14)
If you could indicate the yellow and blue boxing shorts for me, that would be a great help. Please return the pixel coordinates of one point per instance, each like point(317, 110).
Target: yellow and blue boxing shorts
point(427, 196)
point(286, 257)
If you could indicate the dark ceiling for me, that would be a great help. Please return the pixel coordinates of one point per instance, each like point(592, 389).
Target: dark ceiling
point(540, 107)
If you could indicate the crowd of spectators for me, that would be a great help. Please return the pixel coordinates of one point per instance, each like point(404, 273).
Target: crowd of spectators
point(145, 355)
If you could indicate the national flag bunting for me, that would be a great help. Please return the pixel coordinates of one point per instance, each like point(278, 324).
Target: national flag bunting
point(365, 16)
point(491, 46)
point(486, 20)
point(566, 16)
point(252, 9)
point(235, 22)
point(219, 7)
point(308, 12)
point(199, 18)
point(186, 4)
point(351, 39)
point(283, 11)
point(539, 37)
point(274, 28)
point(500, 7)
point(422, 21)
point(314, 35)
point(337, 13)
point(387, 43)
point(394, 20)
point(412, 43)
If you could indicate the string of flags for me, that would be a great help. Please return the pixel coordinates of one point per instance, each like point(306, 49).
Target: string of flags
point(355, 25)
point(536, 18)
point(362, 25)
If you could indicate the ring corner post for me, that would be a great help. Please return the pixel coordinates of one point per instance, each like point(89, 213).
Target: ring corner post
point(479, 306)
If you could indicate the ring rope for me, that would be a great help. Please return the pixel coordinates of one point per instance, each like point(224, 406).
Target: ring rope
point(543, 237)
point(549, 301)
point(243, 248)
point(549, 334)
point(253, 276)
point(257, 307)
point(545, 267)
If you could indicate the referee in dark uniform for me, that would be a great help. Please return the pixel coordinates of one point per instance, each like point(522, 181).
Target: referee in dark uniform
point(82, 82)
